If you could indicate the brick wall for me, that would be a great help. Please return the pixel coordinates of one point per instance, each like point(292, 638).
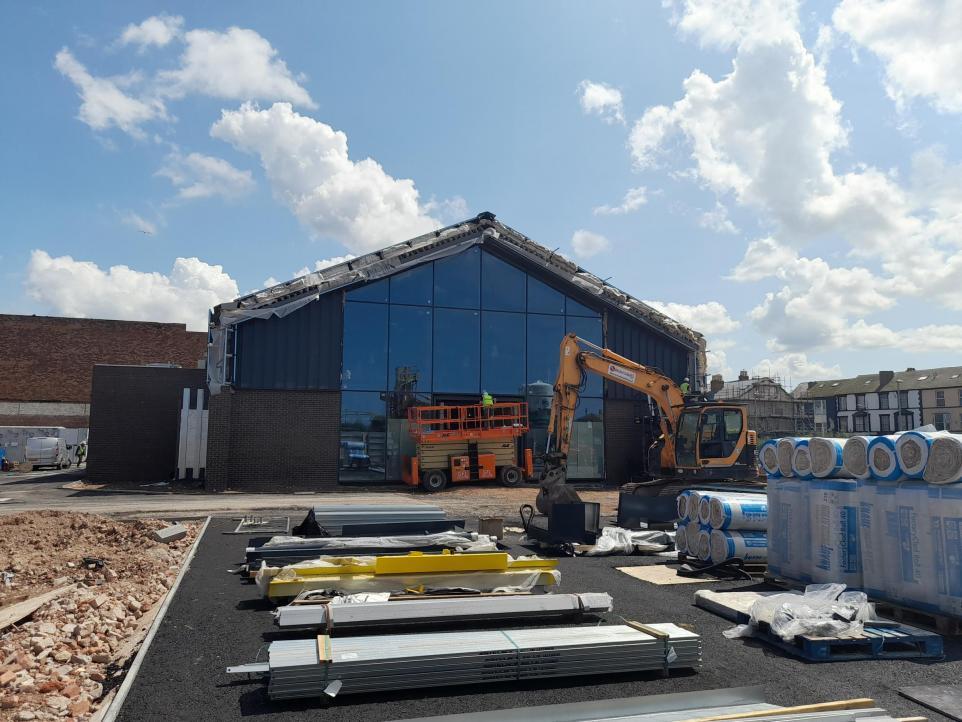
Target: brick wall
point(279, 441)
point(134, 414)
point(46, 358)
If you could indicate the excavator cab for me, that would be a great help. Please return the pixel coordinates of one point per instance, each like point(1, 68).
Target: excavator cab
point(712, 441)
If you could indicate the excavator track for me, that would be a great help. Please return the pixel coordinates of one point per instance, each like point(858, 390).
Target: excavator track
point(674, 486)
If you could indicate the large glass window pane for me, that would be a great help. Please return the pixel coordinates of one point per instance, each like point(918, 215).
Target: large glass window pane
point(409, 355)
point(590, 330)
point(502, 353)
point(365, 346)
point(457, 351)
point(414, 287)
point(400, 444)
point(544, 342)
point(363, 437)
point(542, 298)
point(573, 308)
point(586, 457)
point(375, 292)
point(503, 286)
point(457, 280)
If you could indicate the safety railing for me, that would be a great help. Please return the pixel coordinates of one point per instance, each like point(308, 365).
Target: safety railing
point(473, 421)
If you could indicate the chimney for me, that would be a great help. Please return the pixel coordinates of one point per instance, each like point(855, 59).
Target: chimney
point(885, 377)
point(717, 382)
point(743, 375)
point(910, 368)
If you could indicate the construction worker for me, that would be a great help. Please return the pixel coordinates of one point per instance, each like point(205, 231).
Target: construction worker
point(487, 402)
point(685, 388)
point(81, 453)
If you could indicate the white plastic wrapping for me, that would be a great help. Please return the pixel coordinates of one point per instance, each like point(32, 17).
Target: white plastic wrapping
point(944, 463)
point(834, 531)
point(784, 449)
point(681, 504)
point(789, 529)
point(738, 511)
point(768, 457)
point(855, 456)
point(702, 548)
point(750, 546)
point(615, 540)
point(802, 460)
point(882, 459)
point(826, 457)
point(694, 499)
point(912, 449)
point(681, 536)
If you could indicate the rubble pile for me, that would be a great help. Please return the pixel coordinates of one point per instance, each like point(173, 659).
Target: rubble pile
point(59, 662)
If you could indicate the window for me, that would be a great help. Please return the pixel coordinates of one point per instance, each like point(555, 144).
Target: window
point(457, 280)
point(590, 330)
point(376, 292)
point(502, 353)
point(685, 439)
point(363, 437)
point(903, 399)
point(843, 426)
point(883, 400)
point(859, 423)
point(414, 287)
point(587, 458)
point(400, 443)
point(544, 338)
point(960, 397)
point(457, 351)
point(943, 422)
point(940, 399)
point(503, 286)
point(904, 421)
point(364, 364)
point(409, 355)
point(884, 424)
point(859, 402)
point(841, 403)
point(819, 407)
point(544, 299)
point(719, 433)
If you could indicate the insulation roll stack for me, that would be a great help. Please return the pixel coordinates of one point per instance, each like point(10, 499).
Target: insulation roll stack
point(722, 512)
point(826, 458)
point(750, 546)
point(834, 507)
point(912, 449)
point(883, 462)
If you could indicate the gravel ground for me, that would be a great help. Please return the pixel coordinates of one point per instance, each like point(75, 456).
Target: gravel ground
point(215, 620)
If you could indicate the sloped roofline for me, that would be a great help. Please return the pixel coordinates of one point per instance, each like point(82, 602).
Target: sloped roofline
point(482, 229)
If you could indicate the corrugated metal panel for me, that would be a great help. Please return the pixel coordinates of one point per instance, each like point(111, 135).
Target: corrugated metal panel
point(633, 340)
point(299, 351)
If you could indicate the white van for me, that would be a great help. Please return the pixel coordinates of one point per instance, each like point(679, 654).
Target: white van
point(47, 451)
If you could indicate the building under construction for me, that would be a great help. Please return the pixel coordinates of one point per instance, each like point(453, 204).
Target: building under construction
point(772, 411)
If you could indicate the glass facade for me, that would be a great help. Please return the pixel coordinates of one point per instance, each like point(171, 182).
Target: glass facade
point(445, 332)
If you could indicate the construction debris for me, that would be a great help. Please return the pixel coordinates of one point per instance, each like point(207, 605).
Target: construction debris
point(170, 533)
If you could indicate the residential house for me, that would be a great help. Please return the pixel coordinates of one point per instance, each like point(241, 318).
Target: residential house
point(772, 411)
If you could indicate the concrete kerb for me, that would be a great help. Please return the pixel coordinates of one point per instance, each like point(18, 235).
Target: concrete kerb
point(110, 713)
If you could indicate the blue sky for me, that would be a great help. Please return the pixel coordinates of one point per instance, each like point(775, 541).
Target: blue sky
point(782, 176)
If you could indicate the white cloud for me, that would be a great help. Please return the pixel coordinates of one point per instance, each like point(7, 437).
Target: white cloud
point(81, 288)
point(794, 368)
point(586, 244)
point(706, 318)
point(717, 361)
point(449, 210)
point(268, 282)
point(307, 163)
point(103, 104)
point(634, 199)
point(203, 176)
point(602, 100)
point(324, 263)
point(763, 258)
point(238, 64)
point(918, 41)
point(726, 23)
point(717, 220)
point(140, 223)
point(157, 31)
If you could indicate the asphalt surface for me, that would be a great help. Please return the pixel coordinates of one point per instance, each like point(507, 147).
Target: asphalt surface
point(215, 620)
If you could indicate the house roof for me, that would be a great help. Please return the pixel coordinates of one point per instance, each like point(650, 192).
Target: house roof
point(908, 380)
point(739, 389)
point(484, 229)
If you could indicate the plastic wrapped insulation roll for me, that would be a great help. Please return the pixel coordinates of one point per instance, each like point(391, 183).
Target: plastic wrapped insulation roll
point(694, 497)
point(681, 504)
point(912, 450)
point(749, 546)
point(826, 457)
point(802, 460)
point(784, 451)
point(702, 548)
point(855, 456)
point(834, 537)
point(944, 465)
point(681, 538)
point(748, 512)
point(704, 508)
point(691, 538)
point(768, 458)
point(882, 460)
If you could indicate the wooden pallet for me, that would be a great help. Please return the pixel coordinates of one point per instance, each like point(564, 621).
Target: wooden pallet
point(896, 641)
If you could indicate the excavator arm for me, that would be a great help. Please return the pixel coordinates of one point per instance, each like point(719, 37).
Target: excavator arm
point(579, 357)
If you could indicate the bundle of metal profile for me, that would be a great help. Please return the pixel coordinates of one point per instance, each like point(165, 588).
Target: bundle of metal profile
point(281, 551)
point(331, 519)
point(428, 610)
point(350, 665)
point(346, 574)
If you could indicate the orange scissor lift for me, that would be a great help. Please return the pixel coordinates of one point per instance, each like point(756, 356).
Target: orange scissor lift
point(467, 443)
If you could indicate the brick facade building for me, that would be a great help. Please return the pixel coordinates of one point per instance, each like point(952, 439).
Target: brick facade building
point(46, 362)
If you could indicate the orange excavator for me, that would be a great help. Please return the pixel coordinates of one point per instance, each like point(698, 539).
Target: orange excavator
point(701, 440)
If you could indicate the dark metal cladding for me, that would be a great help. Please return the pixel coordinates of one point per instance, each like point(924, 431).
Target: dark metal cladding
point(627, 337)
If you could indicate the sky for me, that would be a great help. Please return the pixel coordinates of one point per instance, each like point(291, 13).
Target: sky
point(784, 177)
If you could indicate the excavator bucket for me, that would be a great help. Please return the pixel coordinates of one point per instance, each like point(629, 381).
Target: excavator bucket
point(553, 489)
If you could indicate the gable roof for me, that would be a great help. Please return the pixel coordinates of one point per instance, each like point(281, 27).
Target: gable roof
point(742, 389)
point(484, 229)
point(908, 380)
